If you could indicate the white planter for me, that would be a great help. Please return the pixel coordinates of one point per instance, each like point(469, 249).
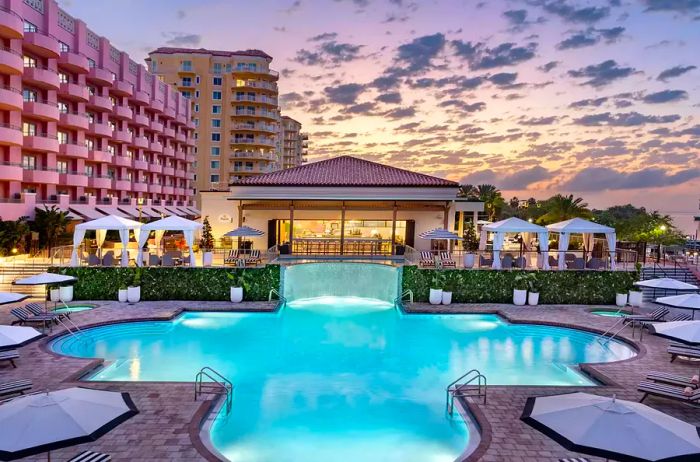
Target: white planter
point(446, 298)
point(533, 298)
point(635, 298)
point(620, 299)
point(435, 297)
point(519, 297)
point(133, 294)
point(236, 294)
point(122, 295)
point(207, 258)
point(66, 293)
point(55, 295)
point(468, 260)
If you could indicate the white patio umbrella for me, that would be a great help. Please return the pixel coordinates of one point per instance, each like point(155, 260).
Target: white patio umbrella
point(17, 336)
point(10, 297)
point(43, 422)
point(687, 332)
point(438, 234)
point(244, 231)
point(666, 283)
point(612, 428)
point(44, 279)
point(684, 302)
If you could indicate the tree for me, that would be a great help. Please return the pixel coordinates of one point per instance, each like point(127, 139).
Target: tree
point(471, 241)
point(13, 233)
point(207, 241)
point(492, 199)
point(50, 223)
point(514, 203)
point(467, 191)
point(559, 208)
point(637, 225)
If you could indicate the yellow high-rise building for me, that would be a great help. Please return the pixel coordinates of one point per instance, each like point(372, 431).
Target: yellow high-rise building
point(235, 110)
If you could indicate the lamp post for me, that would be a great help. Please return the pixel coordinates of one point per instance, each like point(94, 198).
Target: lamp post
point(139, 201)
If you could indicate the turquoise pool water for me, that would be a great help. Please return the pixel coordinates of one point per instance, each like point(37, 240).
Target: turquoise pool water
point(341, 379)
point(73, 308)
point(610, 313)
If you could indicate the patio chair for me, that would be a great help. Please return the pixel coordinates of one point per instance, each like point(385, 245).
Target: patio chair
point(38, 310)
point(153, 260)
point(91, 456)
point(426, 259)
point(253, 258)
point(9, 356)
point(520, 262)
point(687, 351)
point(15, 387)
point(507, 261)
point(93, 260)
point(553, 262)
point(483, 261)
point(594, 264)
point(25, 317)
point(168, 260)
point(569, 258)
point(108, 259)
point(232, 257)
point(673, 379)
point(447, 261)
point(655, 316)
point(668, 391)
point(576, 264)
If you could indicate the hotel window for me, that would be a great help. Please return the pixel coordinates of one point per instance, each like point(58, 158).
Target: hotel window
point(186, 65)
point(29, 61)
point(196, 122)
point(29, 95)
point(217, 68)
point(63, 77)
point(28, 129)
point(196, 108)
point(112, 124)
point(216, 123)
point(89, 143)
point(110, 173)
point(114, 76)
point(63, 107)
point(111, 149)
point(196, 79)
point(113, 100)
point(216, 95)
point(216, 136)
point(29, 27)
point(214, 164)
point(186, 94)
point(91, 63)
point(196, 93)
point(218, 81)
point(90, 170)
point(64, 47)
point(130, 153)
point(62, 166)
point(215, 150)
point(91, 117)
point(214, 178)
point(62, 138)
point(28, 162)
point(187, 81)
point(216, 109)
point(92, 90)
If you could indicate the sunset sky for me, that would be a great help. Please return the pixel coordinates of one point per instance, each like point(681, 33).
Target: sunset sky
point(596, 98)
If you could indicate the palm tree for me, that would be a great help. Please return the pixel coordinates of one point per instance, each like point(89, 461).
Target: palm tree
point(492, 199)
point(51, 223)
point(560, 208)
point(12, 235)
point(467, 191)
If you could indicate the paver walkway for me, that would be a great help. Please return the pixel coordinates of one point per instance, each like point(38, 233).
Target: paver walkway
point(168, 424)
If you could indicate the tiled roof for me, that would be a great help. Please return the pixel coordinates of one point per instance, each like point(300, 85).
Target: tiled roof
point(346, 171)
point(204, 51)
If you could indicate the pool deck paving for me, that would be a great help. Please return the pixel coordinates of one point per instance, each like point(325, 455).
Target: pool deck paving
point(168, 425)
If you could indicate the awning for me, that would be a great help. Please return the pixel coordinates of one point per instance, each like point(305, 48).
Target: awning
point(185, 212)
point(195, 212)
point(175, 211)
point(87, 212)
point(111, 210)
point(162, 211)
point(133, 212)
point(71, 215)
point(149, 212)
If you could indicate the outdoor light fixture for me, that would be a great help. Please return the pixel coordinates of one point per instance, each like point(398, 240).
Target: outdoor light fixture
point(662, 227)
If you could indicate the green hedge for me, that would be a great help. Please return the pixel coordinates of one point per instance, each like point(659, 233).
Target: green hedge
point(174, 283)
point(485, 286)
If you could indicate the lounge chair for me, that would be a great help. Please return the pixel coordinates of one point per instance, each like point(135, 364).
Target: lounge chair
point(253, 258)
point(667, 391)
point(10, 356)
point(574, 459)
point(25, 317)
point(93, 260)
point(15, 387)
point(426, 259)
point(485, 261)
point(91, 456)
point(507, 262)
point(655, 316)
point(232, 257)
point(569, 258)
point(672, 379)
point(687, 351)
point(38, 310)
point(678, 317)
point(447, 261)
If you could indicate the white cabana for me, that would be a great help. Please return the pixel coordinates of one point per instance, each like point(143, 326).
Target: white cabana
point(171, 223)
point(587, 228)
point(509, 226)
point(101, 226)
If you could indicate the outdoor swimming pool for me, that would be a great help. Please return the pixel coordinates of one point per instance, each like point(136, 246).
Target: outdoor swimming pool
point(341, 378)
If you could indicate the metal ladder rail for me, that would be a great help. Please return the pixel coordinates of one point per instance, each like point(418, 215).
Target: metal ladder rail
point(401, 297)
point(609, 335)
point(76, 332)
point(451, 392)
point(280, 297)
point(218, 380)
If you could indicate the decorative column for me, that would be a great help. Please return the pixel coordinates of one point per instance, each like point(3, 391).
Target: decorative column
point(291, 227)
point(393, 230)
point(342, 228)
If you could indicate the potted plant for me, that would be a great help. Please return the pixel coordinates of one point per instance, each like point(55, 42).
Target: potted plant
point(122, 293)
point(533, 295)
point(449, 287)
point(54, 294)
point(133, 292)
point(435, 297)
point(520, 285)
point(236, 287)
point(635, 298)
point(206, 243)
point(471, 245)
point(66, 293)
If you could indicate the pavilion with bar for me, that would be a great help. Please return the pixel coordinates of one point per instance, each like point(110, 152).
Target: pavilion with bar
point(340, 206)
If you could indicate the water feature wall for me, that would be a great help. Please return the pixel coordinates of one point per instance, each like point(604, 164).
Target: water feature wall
point(367, 280)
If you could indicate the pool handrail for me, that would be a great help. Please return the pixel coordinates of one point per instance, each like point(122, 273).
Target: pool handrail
point(473, 374)
point(218, 381)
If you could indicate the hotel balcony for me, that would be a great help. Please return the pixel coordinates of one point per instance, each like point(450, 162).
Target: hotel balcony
point(41, 77)
point(180, 155)
point(11, 99)
point(10, 61)
point(74, 92)
point(155, 126)
point(122, 112)
point(258, 127)
point(254, 155)
point(181, 137)
point(100, 103)
point(41, 44)
point(190, 141)
point(169, 132)
point(170, 171)
point(73, 150)
point(139, 186)
point(122, 88)
point(73, 62)
point(95, 155)
point(122, 161)
point(140, 142)
point(73, 179)
point(258, 99)
point(155, 168)
point(168, 189)
point(179, 191)
point(181, 119)
point(140, 165)
point(141, 98)
point(155, 188)
point(190, 158)
point(257, 84)
point(169, 112)
point(121, 185)
point(141, 120)
point(11, 24)
point(185, 69)
point(157, 105)
point(11, 172)
point(47, 176)
point(257, 114)
point(155, 146)
point(100, 76)
point(257, 72)
point(189, 175)
point(242, 169)
point(74, 120)
point(252, 142)
point(41, 110)
point(168, 151)
point(121, 136)
point(41, 142)
point(99, 182)
point(100, 129)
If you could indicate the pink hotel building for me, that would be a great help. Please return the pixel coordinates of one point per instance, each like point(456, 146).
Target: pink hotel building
point(81, 122)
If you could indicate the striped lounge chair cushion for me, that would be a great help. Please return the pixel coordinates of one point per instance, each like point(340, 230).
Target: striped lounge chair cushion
point(446, 258)
point(673, 379)
point(426, 258)
point(574, 459)
point(16, 386)
point(91, 456)
point(668, 391)
point(8, 355)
